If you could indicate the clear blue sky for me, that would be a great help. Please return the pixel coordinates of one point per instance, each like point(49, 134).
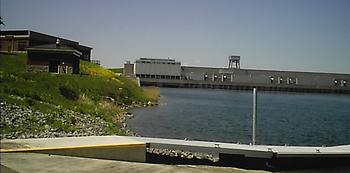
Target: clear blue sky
point(306, 35)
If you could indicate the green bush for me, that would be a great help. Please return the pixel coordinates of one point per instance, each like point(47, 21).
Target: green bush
point(69, 92)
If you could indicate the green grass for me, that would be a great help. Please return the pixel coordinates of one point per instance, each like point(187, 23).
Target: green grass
point(116, 70)
point(13, 63)
point(88, 92)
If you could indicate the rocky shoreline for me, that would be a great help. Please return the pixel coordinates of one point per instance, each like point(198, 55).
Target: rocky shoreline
point(18, 122)
point(128, 115)
point(182, 154)
point(22, 122)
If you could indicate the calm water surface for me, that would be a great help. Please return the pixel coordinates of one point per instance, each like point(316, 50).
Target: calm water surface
point(225, 115)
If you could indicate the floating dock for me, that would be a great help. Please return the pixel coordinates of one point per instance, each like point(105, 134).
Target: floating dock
point(264, 157)
point(128, 148)
point(99, 147)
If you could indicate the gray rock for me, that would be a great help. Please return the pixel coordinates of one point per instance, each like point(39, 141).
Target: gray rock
point(27, 123)
point(182, 154)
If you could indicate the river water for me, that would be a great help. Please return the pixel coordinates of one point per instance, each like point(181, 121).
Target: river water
point(226, 116)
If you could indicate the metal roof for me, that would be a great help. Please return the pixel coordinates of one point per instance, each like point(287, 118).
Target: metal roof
point(39, 35)
point(55, 48)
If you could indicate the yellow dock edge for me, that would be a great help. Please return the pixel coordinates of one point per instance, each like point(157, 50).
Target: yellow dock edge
point(139, 144)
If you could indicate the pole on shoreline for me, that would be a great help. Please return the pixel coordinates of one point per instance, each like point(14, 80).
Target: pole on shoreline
point(254, 114)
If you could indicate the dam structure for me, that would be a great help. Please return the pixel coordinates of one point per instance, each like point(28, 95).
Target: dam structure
point(170, 73)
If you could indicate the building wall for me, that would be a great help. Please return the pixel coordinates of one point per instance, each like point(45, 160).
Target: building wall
point(169, 69)
point(13, 45)
point(264, 76)
point(158, 67)
point(41, 62)
point(128, 70)
point(38, 65)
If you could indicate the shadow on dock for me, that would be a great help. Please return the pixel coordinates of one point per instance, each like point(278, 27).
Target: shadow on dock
point(297, 165)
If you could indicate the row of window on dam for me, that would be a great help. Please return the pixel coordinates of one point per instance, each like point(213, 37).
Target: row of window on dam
point(169, 69)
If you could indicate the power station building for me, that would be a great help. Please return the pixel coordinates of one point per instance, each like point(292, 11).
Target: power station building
point(264, 77)
point(154, 68)
point(168, 72)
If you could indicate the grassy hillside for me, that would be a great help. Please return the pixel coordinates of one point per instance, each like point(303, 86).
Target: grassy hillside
point(96, 91)
point(116, 70)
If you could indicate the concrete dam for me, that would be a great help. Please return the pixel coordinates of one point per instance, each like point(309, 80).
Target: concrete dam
point(170, 73)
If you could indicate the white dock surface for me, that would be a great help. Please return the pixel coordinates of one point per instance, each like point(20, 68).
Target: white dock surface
point(248, 150)
point(264, 151)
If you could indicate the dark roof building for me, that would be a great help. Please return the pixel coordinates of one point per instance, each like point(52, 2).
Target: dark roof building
point(19, 40)
point(46, 53)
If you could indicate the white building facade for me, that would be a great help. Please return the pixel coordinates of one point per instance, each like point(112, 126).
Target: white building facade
point(157, 68)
